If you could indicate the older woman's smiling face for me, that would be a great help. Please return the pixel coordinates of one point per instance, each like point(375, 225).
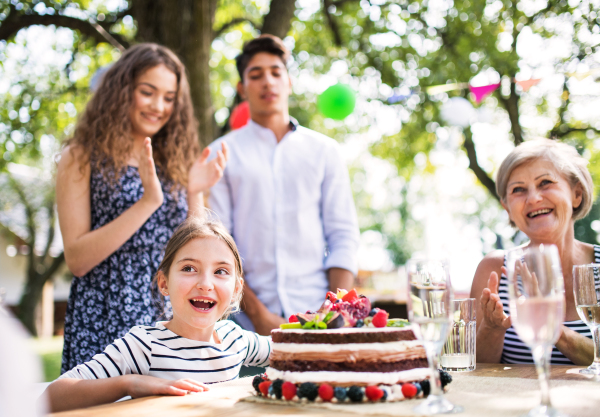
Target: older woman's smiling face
point(540, 201)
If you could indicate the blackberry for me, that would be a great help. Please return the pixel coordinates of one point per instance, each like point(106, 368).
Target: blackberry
point(360, 323)
point(276, 385)
point(308, 390)
point(355, 394)
point(340, 393)
point(257, 380)
point(445, 378)
point(425, 387)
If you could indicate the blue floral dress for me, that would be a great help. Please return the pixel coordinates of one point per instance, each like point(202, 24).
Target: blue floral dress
point(116, 295)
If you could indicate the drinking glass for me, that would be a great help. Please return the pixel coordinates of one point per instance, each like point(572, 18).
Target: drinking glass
point(458, 354)
point(537, 305)
point(430, 311)
point(586, 286)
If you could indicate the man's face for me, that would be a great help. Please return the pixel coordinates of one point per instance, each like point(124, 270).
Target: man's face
point(266, 85)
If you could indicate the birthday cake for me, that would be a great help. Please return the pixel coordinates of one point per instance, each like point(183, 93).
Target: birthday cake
point(346, 351)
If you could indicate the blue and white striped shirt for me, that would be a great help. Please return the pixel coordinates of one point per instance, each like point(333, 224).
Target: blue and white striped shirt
point(157, 351)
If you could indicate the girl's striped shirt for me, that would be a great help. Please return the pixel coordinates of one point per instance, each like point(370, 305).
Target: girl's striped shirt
point(515, 350)
point(157, 351)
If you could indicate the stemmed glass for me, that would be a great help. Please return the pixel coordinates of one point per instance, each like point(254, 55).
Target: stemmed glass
point(430, 310)
point(537, 306)
point(586, 286)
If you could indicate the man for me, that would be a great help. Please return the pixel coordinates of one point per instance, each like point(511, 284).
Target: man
point(285, 197)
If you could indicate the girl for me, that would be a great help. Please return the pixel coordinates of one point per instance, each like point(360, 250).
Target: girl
point(125, 181)
point(202, 274)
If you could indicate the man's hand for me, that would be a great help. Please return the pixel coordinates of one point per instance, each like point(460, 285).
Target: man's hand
point(267, 322)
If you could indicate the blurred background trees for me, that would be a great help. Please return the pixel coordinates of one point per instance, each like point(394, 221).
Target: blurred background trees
point(413, 168)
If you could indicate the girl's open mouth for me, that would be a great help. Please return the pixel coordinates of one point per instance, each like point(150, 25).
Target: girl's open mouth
point(202, 303)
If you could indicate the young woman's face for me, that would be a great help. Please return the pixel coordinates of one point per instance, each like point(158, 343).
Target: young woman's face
point(201, 286)
point(540, 201)
point(266, 85)
point(154, 97)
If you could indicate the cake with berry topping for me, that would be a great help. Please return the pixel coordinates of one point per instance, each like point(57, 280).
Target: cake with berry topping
point(346, 351)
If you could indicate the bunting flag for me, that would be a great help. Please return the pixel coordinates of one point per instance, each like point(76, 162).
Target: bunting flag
point(582, 75)
point(527, 84)
point(443, 88)
point(482, 92)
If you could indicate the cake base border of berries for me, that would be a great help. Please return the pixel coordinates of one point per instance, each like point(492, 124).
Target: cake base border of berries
point(278, 391)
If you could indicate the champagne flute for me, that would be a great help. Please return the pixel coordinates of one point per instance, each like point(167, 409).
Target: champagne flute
point(537, 308)
point(430, 310)
point(586, 287)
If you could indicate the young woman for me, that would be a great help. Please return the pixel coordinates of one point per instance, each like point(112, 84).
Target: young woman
point(126, 179)
point(202, 274)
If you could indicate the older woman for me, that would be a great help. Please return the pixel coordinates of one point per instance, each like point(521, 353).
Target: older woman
point(544, 186)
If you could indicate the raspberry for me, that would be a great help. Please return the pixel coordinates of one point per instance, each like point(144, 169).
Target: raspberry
point(288, 390)
point(373, 393)
point(380, 319)
point(355, 394)
point(409, 390)
point(331, 296)
point(276, 385)
point(326, 392)
point(340, 393)
point(264, 387)
point(308, 390)
point(293, 319)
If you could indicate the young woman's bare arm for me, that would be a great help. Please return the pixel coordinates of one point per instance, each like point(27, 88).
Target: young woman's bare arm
point(86, 248)
point(68, 393)
point(492, 322)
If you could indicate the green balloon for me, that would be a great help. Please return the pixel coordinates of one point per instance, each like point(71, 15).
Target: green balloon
point(337, 102)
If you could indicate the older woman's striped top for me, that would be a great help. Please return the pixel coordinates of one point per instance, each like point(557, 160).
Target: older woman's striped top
point(515, 350)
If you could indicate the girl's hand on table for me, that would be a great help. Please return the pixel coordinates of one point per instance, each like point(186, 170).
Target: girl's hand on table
point(144, 386)
point(152, 189)
point(494, 316)
point(203, 175)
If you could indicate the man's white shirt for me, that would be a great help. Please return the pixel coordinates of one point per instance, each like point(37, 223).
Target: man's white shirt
point(290, 209)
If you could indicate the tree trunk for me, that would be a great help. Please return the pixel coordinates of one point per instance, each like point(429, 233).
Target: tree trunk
point(279, 19)
point(186, 27)
point(511, 104)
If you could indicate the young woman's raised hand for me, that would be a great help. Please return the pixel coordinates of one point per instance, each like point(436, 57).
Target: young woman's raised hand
point(202, 174)
point(144, 386)
point(152, 190)
point(494, 316)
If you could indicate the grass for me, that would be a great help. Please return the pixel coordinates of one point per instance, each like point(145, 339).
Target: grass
point(50, 352)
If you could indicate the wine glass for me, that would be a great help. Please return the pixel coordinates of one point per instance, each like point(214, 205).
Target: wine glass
point(537, 308)
point(430, 310)
point(586, 287)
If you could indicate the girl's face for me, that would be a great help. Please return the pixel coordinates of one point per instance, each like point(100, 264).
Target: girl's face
point(540, 201)
point(153, 101)
point(201, 286)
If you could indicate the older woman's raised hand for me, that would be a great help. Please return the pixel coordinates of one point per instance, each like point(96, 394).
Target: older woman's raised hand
point(494, 316)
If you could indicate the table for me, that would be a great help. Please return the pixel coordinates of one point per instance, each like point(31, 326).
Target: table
point(491, 390)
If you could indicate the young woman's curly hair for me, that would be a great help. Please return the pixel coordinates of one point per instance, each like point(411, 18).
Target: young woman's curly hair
point(103, 132)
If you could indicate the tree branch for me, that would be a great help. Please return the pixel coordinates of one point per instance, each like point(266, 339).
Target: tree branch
point(335, 29)
point(481, 175)
point(56, 263)
point(17, 21)
point(233, 22)
point(511, 104)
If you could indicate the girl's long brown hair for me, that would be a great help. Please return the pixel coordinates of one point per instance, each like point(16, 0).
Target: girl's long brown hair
point(103, 133)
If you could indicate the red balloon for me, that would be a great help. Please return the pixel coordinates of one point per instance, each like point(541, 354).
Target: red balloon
point(240, 115)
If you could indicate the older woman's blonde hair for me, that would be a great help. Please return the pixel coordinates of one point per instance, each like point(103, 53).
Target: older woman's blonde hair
point(566, 160)
point(199, 227)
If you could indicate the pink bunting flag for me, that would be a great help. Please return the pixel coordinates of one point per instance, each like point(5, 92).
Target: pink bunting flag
point(527, 84)
point(482, 92)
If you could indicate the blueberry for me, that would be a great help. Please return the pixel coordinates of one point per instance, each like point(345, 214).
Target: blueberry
point(360, 323)
point(339, 300)
point(340, 393)
point(419, 388)
point(270, 390)
point(373, 312)
point(355, 394)
point(385, 393)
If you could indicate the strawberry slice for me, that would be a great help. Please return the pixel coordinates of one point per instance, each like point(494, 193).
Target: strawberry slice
point(351, 296)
